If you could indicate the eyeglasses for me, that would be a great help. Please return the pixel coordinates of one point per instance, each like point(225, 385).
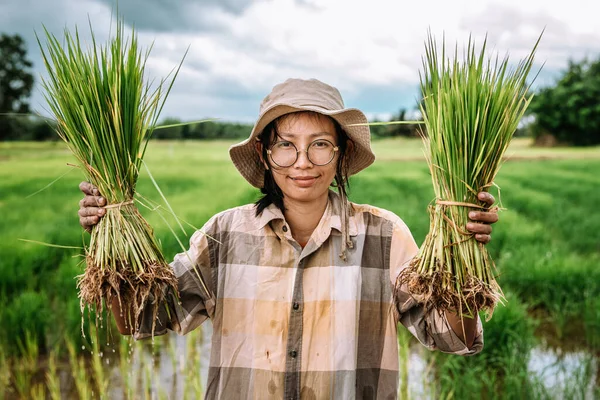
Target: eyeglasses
point(285, 154)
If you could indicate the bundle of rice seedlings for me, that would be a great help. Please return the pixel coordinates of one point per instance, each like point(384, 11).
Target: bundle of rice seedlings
point(471, 107)
point(106, 113)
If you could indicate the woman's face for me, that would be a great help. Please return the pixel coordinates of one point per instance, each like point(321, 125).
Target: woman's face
point(304, 181)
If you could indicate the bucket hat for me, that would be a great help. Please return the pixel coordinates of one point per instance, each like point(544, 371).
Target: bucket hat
point(295, 95)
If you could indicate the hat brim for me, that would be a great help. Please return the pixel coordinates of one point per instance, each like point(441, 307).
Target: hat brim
point(247, 160)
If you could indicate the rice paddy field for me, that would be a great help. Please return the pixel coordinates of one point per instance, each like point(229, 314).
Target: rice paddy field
point(543, 344)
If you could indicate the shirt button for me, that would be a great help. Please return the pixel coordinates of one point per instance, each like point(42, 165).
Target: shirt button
point(293, 353)
point(284, 228)
point(296, 306)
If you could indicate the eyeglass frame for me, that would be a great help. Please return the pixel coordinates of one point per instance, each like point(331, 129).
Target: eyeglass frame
point(335, 150)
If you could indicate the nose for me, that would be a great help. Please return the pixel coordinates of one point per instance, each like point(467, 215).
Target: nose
point(303, 161)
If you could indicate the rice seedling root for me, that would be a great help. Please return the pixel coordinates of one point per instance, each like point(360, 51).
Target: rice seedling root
point(444, 275)
point(133, 287)
point(435, 291)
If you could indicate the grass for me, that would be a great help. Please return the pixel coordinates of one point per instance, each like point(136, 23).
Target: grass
point(502, 368)
point(545, 244)
point(106, 109)
point(471, 106)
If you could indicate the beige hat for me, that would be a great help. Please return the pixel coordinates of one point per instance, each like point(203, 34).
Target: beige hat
point(303, 95)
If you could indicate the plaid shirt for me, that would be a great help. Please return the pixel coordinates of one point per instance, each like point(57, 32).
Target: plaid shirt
point(292, 322)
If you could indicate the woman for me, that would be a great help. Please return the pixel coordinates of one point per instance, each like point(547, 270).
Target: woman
point(300, 283)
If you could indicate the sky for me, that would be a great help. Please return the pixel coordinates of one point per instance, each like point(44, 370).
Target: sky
point(369, 49)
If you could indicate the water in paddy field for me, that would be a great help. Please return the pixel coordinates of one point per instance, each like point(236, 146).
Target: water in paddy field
point(556, 369)
point(175, 367)
point(179, 369)
point(559, 370)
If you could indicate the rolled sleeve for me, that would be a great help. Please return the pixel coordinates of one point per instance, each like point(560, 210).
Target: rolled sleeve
point(195, 303)
point(446, 340)
point(432, 328)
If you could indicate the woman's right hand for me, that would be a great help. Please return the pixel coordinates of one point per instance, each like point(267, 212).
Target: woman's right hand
point(90, 207)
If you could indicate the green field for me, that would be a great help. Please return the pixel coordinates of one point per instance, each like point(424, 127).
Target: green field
point(546, 246)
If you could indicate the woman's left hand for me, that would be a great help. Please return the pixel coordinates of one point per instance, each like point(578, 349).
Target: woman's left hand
point(482, 220)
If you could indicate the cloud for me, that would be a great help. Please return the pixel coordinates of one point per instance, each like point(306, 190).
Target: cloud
point(516, 30)
point(239, 49)
point(177, 15)
point(28, 17)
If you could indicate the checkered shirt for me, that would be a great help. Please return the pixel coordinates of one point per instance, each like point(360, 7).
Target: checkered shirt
point(292, 322)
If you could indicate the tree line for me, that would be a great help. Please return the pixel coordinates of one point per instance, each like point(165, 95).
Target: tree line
point(568, 111)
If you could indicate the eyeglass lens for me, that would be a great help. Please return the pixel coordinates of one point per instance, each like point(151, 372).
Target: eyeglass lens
point(320, 152)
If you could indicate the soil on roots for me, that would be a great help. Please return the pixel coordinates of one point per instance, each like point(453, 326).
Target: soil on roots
point(437, 291)
point(132, 290)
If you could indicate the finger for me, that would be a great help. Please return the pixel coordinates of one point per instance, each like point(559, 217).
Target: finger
point(88, 222)
point(484, 216)
point(486, 198)
point(479, 228)
point(89, 189)
point(91, 212)
point(92, 201)
point(485, 239)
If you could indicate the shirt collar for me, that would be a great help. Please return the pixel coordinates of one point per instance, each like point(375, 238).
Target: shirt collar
point(331, 215)
point(271, 213)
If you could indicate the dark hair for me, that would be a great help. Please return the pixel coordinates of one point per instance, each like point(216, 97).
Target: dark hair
point(272, 193)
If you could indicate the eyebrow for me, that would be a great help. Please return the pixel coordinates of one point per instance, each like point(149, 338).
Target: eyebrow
point(312, 135)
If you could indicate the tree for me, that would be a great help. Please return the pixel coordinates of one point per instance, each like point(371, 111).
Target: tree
point(570, 110)
point(393, 130)
point(173, 132)
point(402, 129)
point(16, 82)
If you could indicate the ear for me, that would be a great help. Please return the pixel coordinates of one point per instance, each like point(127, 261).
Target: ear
point(258, 146)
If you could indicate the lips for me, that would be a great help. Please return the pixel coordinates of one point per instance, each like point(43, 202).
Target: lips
point(303, 181)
